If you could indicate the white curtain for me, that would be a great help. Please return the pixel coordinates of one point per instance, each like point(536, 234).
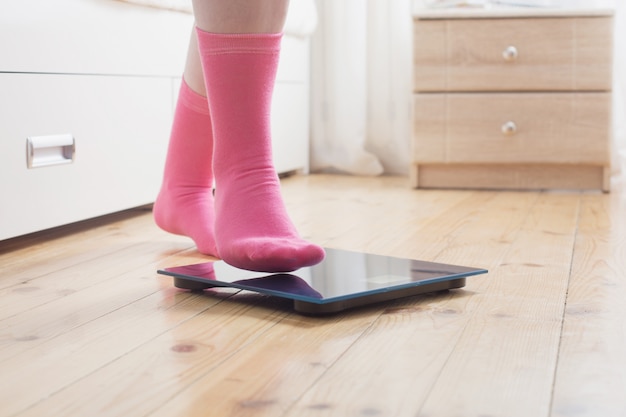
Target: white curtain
point(361, 87)
point(361, 83)
point(619, 91)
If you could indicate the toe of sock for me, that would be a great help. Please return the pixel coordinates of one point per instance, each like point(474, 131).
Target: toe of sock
point(273, 255)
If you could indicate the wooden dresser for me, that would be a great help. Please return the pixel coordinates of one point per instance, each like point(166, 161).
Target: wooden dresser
point(512, 98)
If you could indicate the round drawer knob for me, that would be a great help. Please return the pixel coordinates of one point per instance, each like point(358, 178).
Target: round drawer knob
point(509, 128)
point(510, 53)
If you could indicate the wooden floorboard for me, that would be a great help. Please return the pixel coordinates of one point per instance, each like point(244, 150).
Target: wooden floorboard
point(87, 327)
point(507, 352)
point(419, 339)
point(591, 376)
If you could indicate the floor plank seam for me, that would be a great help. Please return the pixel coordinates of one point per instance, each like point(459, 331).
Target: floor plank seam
point(563, 317)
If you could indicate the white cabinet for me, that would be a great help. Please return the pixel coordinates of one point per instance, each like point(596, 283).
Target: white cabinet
point(119, 152)
point(107, 74)
point(102, 72)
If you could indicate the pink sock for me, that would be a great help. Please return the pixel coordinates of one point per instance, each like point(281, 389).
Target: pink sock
point(252, 229)
point(184, 205)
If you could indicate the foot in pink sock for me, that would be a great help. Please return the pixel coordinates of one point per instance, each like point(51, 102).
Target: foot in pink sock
point(184, 205)
point(253, 230)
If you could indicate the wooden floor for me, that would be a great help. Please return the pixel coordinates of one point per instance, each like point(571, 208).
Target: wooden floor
point(87, 327)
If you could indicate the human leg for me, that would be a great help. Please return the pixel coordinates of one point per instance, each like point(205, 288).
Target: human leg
point(240, 16)
point(239, 44)
point(184, 205)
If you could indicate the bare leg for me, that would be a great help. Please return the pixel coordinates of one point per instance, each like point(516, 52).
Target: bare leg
point(240, 16)
point(193, 67)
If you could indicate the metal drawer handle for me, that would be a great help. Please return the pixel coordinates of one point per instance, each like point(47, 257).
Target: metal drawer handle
point(510, 53)
point(509, 128)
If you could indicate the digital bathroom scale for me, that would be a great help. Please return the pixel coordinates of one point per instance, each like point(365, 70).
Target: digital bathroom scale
point(343, 280)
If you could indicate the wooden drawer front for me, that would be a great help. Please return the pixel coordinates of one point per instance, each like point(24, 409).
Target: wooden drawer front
point(549, 128)
point(120, 126)
point(552, 54)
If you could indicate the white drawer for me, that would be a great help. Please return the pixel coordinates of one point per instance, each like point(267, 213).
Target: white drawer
point(92, 37)
point(119, 152)
point(110, 37)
